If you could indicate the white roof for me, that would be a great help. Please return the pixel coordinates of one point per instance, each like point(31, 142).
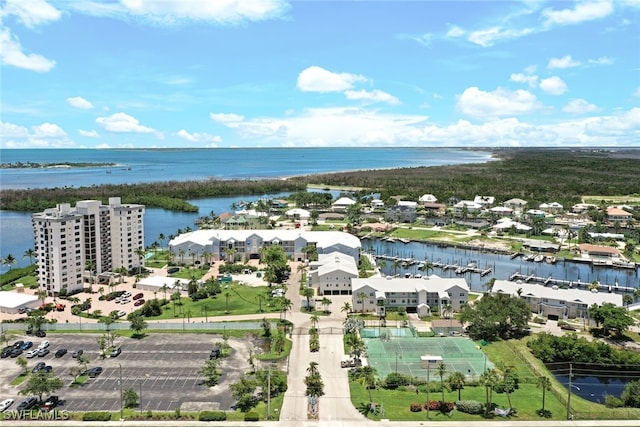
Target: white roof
point(344, 201)
point(501, 209)
point(15, 299)
point(337, 261)
point(582, 296)
point(399, 284)
point(322, 239)
point(484, 200)
point(407, 203)
point(302, 213)
point(428, 198)
point(506, 223)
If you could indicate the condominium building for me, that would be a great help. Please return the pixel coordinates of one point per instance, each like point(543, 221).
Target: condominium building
point(90, 236)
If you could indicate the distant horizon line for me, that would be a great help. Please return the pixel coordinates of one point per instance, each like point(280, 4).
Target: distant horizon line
point(456, 147)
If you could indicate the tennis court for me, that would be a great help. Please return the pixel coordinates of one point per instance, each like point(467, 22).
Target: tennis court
point(402, 354)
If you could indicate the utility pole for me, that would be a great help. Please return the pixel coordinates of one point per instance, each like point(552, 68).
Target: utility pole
point(569, 397)
point(121, 407)
point(428, 387)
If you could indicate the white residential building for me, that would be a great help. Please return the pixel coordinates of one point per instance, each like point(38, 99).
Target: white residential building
point(247, 244)
point(469, 206)
point(417, 295)
point(68, 240)
point(342, 204)
point(484, 201)
point(332, 273)
point(427, 198)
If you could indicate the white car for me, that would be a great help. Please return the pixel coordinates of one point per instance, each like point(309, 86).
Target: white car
point(32, 353)
point(6, 404)
point(122, 313)
point(125, 301)
point(44, 344)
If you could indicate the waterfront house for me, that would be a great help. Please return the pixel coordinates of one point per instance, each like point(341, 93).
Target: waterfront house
point(298, 213)
point(516, 204)
point(580, 208)
point(501, 211)
point(484, 201)
point(468, 206)
point(377, 204)
point(596, 252)
point(506, 224)
point(332, 273)
point(553, 207)
point(616, 214)
point(556, 303)
point(536, 214)
point(403, 211)
point(342, 204)
point(417, 295)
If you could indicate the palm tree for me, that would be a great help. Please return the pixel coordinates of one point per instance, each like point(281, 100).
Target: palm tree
point(42, 296)
point(161, 237)
point(286, 305)
point(308, 293)
point(314, 320)
point(396, 265)
point(362, 296)
point(122, 271)
point(442, 370)
point(313, 369)
point(181, 253)
point(346, 307)
point(231, 252)
point(545, 384)
point(508, 381)
point(141, 253)
point(326, 302)
point(164, 289)
point(206, 255)
point(368, 379)
point(29, 253)
point(489, 379)
point(456, 382)
point(9, 261)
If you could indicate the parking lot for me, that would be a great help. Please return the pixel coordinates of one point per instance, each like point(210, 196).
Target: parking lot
point(161, 368)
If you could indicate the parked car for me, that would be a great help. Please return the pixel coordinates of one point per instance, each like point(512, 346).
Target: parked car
point(43, 352)
point(16, 352)
point(138, 295)
point(61, 352)
point(125, 301)
point(27, 403)
point(122, 313)
point(6, 404)
point(115, 351)
point(50, 403)
point(567, 327)
point(77, 353)
point(6, 352)
point(32, 353)
point(138, 302)
point(40, 333)
point(94, 372)
point(38, 367)
point(26, 345)
point(44, 344)
point(18, 344)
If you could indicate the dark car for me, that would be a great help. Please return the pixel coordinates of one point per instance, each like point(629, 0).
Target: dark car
point(18, 344)
point(61, 352)
point(26, 345)
point(77, 353)
point(567, 327)
point(115, 352)
point(50, 403)
point(28, 403)
point(6, 352)
point(16, 352)
point(40, 334)
point(38, 367)
point(138, 302)
point(43, 352)
point(94, 372)
point(138, 296)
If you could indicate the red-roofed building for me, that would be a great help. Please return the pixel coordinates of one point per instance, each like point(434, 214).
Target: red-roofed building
point(617, 214)
point(596, 251)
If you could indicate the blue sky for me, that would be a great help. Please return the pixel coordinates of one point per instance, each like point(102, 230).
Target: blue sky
point(251, 73)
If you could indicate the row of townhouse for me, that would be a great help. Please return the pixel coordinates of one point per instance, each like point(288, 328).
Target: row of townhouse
point(242, 245)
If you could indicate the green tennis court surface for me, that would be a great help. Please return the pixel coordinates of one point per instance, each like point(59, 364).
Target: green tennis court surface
point(396, 353)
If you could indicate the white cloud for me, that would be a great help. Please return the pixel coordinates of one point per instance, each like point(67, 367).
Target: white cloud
point(455, 32)
point(489, 36)
point(171, 12)
point(637, 92)
point(579, 106)
point(226, 118)
point(603, 60)
point(88, 133)
point(531, 80)
point(199, 137)
point(564, 62)
point(124, 123)
point(317, 79)
point(45, 135)
point(423, 39)
point(586, 11)
point(79, 102)
point(31, 13)
point(373, 96)
point(553, 85)
point(11, 54)
point(501, 102)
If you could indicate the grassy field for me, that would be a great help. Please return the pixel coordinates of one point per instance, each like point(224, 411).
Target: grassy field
point(241, 300)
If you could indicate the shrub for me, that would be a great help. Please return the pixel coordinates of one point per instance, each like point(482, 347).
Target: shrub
point(415, 407)
point(433, 405)
point(446, 406)
point(395, 380)
point(612, 401)
point(469, 406)
point(96, 416)
point(212, 416)
point(544, 413)
point(251, 416)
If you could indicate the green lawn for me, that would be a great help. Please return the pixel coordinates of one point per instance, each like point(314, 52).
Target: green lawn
point(19, 379)
point(190, 273)
point(242, 300)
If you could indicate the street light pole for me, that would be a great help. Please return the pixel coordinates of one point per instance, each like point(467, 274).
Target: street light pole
point(428, 387)
point(269, 394)
point(121, 407)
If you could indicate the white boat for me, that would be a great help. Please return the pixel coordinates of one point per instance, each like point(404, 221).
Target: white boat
point(538, 258)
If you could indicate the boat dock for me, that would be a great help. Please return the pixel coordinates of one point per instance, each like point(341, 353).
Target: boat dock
point(569, 283)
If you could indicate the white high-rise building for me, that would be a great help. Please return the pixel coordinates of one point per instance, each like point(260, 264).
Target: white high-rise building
point(90, 236)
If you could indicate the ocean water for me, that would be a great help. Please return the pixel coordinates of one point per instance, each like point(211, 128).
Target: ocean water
point(134, 166)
